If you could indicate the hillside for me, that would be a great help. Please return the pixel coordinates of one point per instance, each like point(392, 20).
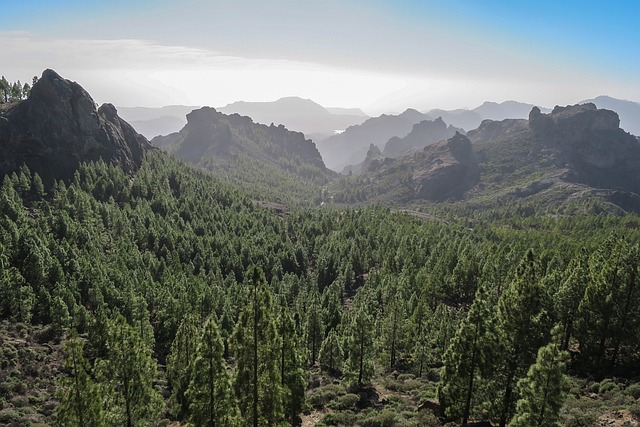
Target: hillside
point(570, 156)
point(269, 158)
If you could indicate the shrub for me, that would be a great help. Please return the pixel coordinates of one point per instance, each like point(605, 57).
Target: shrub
point(384, 418)
point(347, 401)
point(634, 391)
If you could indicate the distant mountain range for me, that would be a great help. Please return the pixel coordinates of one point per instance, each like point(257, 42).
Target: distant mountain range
point(302, 115)
point(152, 122)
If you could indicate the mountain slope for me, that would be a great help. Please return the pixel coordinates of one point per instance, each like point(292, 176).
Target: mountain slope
point(350, 147)
point(250, 154)
point(571, 156)
point(302, 115)
point(59, 126)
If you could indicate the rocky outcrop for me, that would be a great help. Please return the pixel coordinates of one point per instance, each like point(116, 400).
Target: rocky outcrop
point(59, 126)
point(445, 169)
point(210, 136)
point(424, 133)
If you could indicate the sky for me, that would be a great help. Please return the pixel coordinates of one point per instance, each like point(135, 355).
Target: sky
point(381, 56)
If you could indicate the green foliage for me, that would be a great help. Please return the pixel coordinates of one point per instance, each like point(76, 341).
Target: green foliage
point(180, 363)
point(127, 377)
point(80, 398)
point(212, 402)
point(467, 359)
point(359, 364)
point(542, 390)
point(331, 353)
point(255, 343)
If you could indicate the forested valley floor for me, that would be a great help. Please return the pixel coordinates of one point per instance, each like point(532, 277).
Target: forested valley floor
point(169, 297)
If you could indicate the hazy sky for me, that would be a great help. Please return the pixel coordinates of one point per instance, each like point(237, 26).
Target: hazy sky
point(377, 55)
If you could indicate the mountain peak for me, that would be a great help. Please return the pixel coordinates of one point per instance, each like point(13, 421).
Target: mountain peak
point(59, 126)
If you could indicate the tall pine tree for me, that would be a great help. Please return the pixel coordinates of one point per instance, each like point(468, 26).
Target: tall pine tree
point(212, 402)
point(255, 343)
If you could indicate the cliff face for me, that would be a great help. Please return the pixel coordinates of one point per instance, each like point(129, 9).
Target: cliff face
point(59, 126)
point(424, 133)
point(209, 133)
point(445, 169)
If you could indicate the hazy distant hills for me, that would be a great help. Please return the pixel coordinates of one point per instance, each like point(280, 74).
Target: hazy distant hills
point(152, 122)
point(575, 156)
point(628, 111)
point(302, 115)
point(351, 146)
point(422, 134)
point(471, 119)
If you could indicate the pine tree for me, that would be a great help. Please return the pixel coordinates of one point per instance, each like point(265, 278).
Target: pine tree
point(393, 330)
point(331, 354)
point(79, 397)
point(127, 375)
point(180, 363)
point(255, 344)
point(210, 396)
point(291, 368)
point(466, 358)
point(360, 346)
point(571, 291)
point(313, 327)
point(543, 390)
point(524, 325)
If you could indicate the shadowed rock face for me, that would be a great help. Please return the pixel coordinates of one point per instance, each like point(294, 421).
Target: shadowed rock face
point(445, 169)
point(211, 134)
point(59, 126)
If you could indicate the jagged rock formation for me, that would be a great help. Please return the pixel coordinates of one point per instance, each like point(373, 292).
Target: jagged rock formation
point(351, 146)
point(372, 162)
point(574, 155)
point(59, 126)
point(444, 170)
point(210, 134)
point(424, 133)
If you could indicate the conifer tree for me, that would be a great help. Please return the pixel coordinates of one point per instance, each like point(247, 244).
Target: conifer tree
point(393, 330)
point(291, 368)
point(360, 344)
point(180, 363)
point(571, 291)
point(255, 344)
point(212, 402)
point(467, 358)
point(313, 327)
point(543, 390)
point(127, 376)
point(80, 398)
point(331, 353)
point(524, 325)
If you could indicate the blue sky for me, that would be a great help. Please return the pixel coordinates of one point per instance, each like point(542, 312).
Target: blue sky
point(377, 55)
